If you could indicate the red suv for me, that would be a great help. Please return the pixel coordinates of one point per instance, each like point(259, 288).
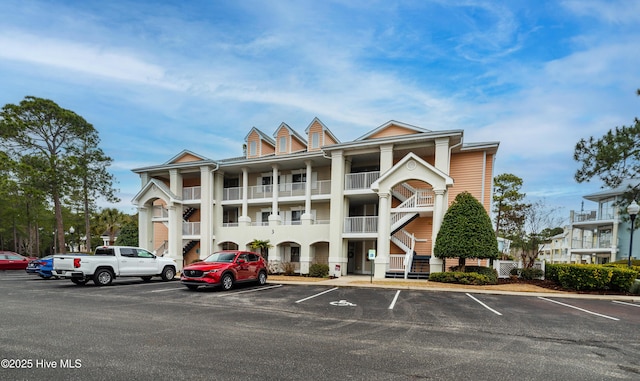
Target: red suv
point(225, 268)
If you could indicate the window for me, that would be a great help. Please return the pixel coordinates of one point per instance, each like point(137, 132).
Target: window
point(252, 149)
point(315, 140)
point(144, 254)
point(283, 144)
point(265, 218)
point(298, 181)
point(126, 252)
point(295, 254)
point(295, 217)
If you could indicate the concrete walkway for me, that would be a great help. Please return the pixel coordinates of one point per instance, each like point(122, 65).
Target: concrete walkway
point(415, 284)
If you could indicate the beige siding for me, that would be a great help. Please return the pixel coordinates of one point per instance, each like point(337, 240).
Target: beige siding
point(392, 130)
point(187, 158)
point(466, 171)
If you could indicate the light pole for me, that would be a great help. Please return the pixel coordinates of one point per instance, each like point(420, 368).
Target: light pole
point(72, 230)
point(633, 210)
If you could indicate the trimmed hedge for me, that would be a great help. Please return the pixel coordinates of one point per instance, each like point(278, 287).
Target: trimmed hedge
point(591, 277)
point(527, 273)
point(472, 278)
point(490, 273)
point(318, 270)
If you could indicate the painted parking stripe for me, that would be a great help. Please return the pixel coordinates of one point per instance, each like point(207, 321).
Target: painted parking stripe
point(484, 305)
point(252, 290)
point(626, 304)
point(313, 296)
point(578, 308)
point(395, 299)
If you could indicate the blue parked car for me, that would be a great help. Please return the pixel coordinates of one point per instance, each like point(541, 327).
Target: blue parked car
point(46, 266)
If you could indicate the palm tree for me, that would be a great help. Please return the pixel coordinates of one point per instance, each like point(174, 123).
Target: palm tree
point(110, 221)
point(263, 246)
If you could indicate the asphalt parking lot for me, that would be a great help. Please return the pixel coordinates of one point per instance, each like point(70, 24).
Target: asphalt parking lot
point(161, 330)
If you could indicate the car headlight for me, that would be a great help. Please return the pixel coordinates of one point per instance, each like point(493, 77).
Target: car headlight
point(211, 271)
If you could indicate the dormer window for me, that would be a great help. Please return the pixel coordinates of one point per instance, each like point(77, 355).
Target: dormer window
point(283, 144)
point(315, 140)
point(252, 148)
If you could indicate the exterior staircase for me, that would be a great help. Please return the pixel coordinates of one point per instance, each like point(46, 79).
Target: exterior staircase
point(416, 266)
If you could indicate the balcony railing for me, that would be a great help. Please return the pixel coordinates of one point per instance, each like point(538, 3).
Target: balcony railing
point(361, 224)
point(191, 193)
point(599, 244)
point(284, 190)
point(592, 215)
point(362, 180)
point(191, 228)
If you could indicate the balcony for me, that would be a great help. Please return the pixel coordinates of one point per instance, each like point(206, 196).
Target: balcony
point(191, 193)
point(598, 244)
point(591, 215)
point(365, 224)
point(362, 180)
point(191, 228)
point(284, 190)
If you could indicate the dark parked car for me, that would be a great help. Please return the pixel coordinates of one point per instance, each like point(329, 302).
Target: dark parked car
point(13, 261)
point(45, 267)
point(33, 266)
point(225, 268)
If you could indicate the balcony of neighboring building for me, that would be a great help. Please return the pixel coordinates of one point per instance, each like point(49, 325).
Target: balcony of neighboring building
point(593, 245)
point(592, 219)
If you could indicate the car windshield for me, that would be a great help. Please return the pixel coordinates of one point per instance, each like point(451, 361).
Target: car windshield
point(221, 257)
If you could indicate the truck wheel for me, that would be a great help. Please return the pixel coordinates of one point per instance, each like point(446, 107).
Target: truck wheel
point(227, 281)
point(168, 273)
point(146, 278)
point(79, 282)
point(262, 278)
point(192, 287)
point(103, 277)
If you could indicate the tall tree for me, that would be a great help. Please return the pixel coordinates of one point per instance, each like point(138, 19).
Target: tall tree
point(466, 231)
point(536, 229)
point(94, 180)
point(612, 158)
point(508, 208)
point(50, 144)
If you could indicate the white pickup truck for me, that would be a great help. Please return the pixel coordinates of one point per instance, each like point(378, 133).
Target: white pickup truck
point(109, 262)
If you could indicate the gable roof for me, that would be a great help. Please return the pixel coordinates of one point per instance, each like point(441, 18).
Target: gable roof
point(389, 124)
point(324, 128)
point(292, 132)
point(263, 136)
point(154, 183)
point(185, 153)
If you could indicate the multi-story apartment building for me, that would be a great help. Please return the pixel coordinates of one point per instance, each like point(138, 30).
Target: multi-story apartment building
point(316, 199)
point(601, 235)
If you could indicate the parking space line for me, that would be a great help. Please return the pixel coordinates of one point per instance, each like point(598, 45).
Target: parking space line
point(626, 304)
point(313, 296)
point(168, 289)
point(579, 309)
point(252, 290)
point(395, 298)
point(484, 305)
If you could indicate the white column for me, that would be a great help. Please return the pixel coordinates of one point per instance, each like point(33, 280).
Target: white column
point(274, 218)
point(175, 234)
point(442, 155)
point(305, 258)
point(216, 214)
point(439, 209)
point(384, 233)
point(307, 217)
point(386, 157)
point(337, 256)
point(206, 210)
point(145, 232)
point(244, 219)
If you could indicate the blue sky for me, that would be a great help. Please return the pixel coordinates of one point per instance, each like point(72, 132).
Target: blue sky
point(155, 78)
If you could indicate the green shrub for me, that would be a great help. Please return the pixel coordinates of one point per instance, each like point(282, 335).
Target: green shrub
point(635, 287)
point(318, 270)
point(552, 271)
point(531, 273)
point(490, 273)
point(460, 278)
point(622, 279)
point(288, 268)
